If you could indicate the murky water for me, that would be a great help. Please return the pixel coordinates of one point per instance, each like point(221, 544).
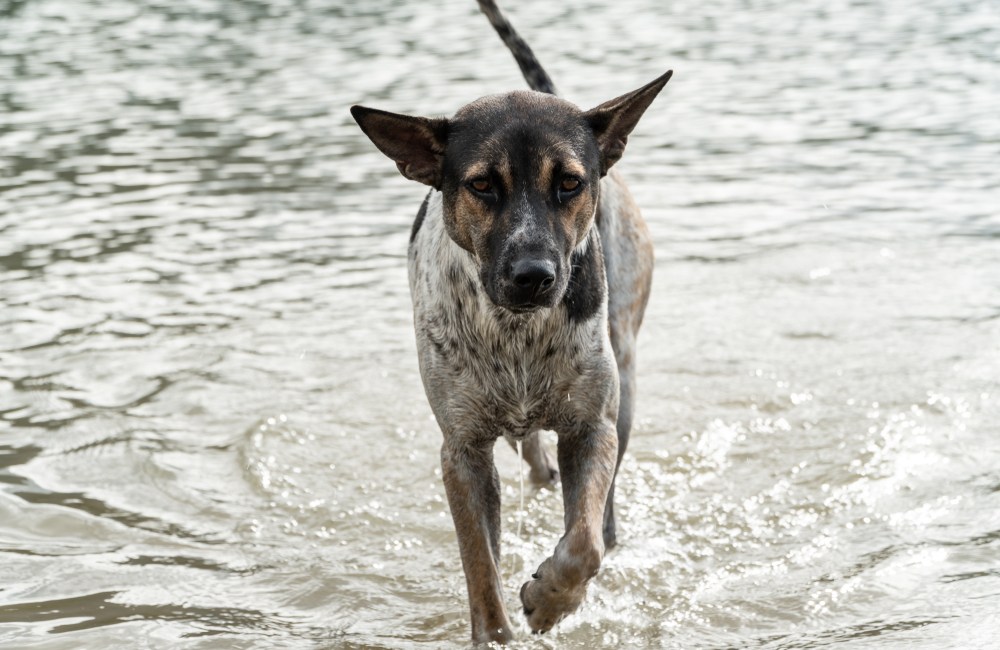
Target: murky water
point(212, 428)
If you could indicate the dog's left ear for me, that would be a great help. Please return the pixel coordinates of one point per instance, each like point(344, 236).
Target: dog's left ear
point(415, 143)
point(612, 121)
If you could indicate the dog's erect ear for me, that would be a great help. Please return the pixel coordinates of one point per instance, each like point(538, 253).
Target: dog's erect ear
point(612, 121)
point(415, 143)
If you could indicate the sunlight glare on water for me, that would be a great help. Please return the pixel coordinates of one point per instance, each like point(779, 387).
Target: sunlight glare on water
point(212, 428)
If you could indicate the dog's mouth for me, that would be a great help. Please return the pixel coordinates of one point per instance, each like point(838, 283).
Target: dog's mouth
point(524, 308)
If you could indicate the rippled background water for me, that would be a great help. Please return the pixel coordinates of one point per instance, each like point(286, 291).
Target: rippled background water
point(212, 429)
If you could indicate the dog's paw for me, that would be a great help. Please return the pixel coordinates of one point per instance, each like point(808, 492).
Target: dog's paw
point(544, 477)
point(546, 602)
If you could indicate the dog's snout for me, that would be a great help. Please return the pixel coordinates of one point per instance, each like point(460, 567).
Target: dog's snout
point(533, 276)
point(529, 281)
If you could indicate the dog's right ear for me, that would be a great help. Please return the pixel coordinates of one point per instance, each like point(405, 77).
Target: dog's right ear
point(415, 143)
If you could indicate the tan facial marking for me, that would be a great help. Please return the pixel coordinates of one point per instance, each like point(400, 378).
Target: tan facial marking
point(506, 172)
point(476, 170)
point(574, 167)
point(473, 216)
point(575, 218)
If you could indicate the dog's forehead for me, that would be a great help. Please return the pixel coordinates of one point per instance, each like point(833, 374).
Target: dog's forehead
point(509, 103)
point(523, 119)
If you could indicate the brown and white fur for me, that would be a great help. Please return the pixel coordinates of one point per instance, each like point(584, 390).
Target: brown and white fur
point(530, 269)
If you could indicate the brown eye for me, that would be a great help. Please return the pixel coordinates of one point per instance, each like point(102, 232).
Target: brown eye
point(481, 186)
point(569, 185)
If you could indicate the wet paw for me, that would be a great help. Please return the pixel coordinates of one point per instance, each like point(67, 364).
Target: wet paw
point(546, 602)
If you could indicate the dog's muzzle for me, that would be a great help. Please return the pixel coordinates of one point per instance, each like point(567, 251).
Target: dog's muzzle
point(531, 282)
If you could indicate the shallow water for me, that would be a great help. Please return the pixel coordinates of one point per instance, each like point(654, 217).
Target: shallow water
point(212, 428)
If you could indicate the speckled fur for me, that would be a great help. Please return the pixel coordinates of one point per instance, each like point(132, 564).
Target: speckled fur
point(489, 372)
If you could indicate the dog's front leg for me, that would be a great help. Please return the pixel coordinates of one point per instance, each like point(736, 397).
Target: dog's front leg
point(473, 488)
point(587, 464)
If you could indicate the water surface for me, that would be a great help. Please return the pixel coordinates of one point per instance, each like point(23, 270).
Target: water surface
point(212, 428)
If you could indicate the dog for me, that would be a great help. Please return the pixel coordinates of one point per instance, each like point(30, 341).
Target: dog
point(529, 269)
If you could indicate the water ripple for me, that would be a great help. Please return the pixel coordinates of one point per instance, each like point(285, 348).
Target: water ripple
point(212, 429)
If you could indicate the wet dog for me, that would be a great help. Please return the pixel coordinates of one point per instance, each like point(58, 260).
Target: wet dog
point(530, 269)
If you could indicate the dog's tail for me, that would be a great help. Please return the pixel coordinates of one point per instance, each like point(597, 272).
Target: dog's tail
point(532, 70)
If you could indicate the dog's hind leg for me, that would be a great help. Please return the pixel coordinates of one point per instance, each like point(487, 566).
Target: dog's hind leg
point(543, 469)
point(626, 404)
point(628, 252)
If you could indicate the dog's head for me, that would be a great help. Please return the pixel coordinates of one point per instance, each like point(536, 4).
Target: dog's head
point(519, 175)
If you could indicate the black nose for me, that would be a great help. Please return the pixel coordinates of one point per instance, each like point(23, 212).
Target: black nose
point(533, 277)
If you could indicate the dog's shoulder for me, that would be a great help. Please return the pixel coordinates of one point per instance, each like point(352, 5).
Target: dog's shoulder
point(628, 254)
point(421, 213)
point(442, 275)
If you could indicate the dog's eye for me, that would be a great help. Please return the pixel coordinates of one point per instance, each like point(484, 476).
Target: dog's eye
point(481, 186)
point(569, 186)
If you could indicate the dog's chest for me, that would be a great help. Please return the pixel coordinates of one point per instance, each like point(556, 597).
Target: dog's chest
point(520, 374)
point(516, 372)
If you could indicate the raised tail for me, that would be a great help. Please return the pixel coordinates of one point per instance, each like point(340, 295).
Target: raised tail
point(532, 70)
